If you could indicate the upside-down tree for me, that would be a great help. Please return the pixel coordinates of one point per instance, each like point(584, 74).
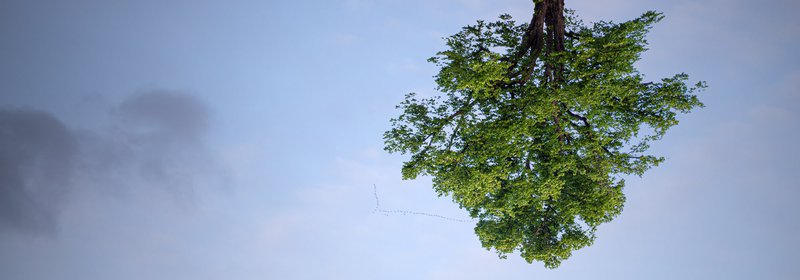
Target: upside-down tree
point(536, 124)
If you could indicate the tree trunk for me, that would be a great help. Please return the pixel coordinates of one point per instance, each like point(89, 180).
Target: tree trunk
point(545, 35)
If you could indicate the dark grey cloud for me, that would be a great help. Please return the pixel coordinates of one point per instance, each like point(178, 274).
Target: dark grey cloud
point(37, 156)
point(150, 140)
point(155, 139)
point(165, 114)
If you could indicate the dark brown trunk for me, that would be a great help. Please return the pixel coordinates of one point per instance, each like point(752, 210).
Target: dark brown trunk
point(545, 36)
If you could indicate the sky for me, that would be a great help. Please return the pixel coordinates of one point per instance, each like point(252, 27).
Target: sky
point(243, 140)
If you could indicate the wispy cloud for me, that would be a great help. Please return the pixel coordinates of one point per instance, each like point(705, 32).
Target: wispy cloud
point(152, 140)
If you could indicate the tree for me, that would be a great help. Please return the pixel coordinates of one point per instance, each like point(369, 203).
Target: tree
point(536, 124)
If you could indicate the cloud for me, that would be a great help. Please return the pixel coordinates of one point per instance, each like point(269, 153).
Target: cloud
point(152, 140)
point(156, 139)
point(37, 156)
point(164, 113)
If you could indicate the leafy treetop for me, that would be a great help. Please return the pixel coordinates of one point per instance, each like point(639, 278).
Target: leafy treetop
point(535, 125)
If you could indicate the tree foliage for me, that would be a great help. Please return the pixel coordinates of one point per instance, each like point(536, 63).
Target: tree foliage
point(535, 125)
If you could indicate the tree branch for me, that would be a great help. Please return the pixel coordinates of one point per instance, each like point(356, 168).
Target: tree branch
point(589, 126)
point(446, 121)
point(532, 42)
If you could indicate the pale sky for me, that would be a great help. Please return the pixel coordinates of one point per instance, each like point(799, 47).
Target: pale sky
point(242, 139)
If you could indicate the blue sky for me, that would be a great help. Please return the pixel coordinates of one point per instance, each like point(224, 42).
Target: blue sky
point(242, 140)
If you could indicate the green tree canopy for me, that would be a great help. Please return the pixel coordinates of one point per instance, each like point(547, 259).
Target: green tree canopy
point(535, 125)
